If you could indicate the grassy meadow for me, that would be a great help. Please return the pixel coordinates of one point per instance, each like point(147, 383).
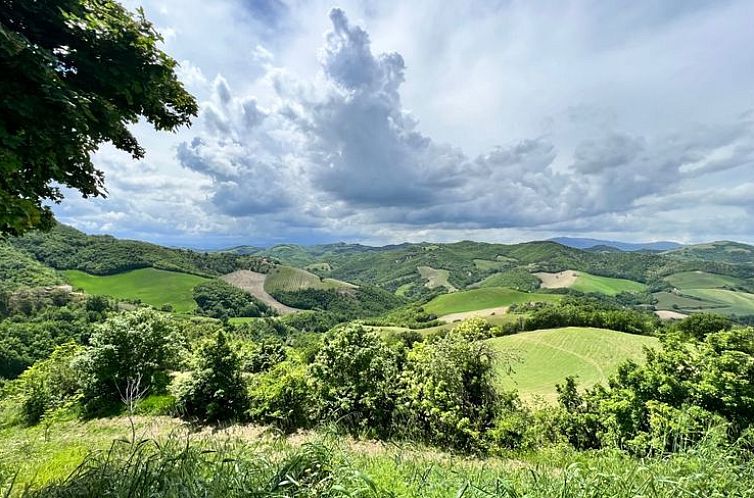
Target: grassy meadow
point(488, 297)
point(151, 286)
point(589, 283)
point(702, 280)
point(544, 358)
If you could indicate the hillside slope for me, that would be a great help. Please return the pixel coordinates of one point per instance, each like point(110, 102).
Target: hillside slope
point(546, 357)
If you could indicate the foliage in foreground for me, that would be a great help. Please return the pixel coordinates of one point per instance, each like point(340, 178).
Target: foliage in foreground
point(60, 102)
point(176, 468)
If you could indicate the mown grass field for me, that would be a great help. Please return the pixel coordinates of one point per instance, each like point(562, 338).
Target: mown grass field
point(702, 280)
point(478, 299)
point(288, 278)
point(151, 286)
point(549, 356)
point(586, 282)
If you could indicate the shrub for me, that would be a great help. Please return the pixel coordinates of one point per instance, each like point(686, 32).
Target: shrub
point(216, 391)
point(281, 397)
point(50, 383)
point(447, 391)
point(354, 377)
point(138, 346)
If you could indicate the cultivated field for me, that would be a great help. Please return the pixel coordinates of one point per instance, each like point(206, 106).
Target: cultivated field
point(702, 280)
point(588, 283)
point(479, 299)
point(151, 286)
point(288, 278)
point(435, 277)
point(253, 283)
point(546, 357)
point(729, 302)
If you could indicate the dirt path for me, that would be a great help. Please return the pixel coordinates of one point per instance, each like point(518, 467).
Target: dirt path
point(253, 283)
point(557, 280)
point(457, 317)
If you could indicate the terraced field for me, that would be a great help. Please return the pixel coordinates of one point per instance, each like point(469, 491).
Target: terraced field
point(151, 286)
point(546, 357)
point(478, 299)
point(288, 278)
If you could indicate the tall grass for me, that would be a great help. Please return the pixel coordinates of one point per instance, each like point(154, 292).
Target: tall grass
point(230, 469)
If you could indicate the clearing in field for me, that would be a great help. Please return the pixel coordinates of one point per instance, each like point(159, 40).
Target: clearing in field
point(588, 283)
point(151, 286)
point(288, 278)
point(702, 280)
point(479, 299)
point(435, 278)
point(547, 357)
point(253, 283)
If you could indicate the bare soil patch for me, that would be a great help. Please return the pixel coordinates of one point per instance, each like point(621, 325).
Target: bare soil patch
point(253, 283)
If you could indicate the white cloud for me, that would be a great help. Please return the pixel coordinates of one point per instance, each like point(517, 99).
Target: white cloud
point(480, 119)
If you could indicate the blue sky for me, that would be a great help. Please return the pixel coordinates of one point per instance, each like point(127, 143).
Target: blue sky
point(383, 122)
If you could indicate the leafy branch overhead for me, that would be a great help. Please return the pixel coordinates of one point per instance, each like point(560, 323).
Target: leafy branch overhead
point(73, 75)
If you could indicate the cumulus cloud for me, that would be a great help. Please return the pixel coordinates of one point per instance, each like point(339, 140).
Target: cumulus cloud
point(284, 151)
point(344, 146)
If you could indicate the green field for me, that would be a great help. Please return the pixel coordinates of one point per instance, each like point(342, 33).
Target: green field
point(151, 286)
point(586, 282)
point(673, 301)
point(702, 280)
point(478, 299)
point(288, 278)
point(726, 302)
point(435, 277)
point(548, 356)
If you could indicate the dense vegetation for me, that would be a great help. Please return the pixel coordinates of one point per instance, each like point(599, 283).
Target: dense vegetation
point(219, 299)
point(66, 248)
point(365, 301)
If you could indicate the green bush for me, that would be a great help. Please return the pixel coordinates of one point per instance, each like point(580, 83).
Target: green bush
point(156, 404)
point(133, 347)
point(354, 379)
point(447, 391)
point(282, 397)
point(215, 392)
point(49, 384)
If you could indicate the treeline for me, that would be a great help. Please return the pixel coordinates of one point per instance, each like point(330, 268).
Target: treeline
point(64, 247)
point(364, 301)
point(576, 312)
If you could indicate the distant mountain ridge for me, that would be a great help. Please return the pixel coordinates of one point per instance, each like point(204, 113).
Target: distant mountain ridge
point(586, 243)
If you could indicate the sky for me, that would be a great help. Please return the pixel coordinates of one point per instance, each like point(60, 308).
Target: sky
point(389, 121)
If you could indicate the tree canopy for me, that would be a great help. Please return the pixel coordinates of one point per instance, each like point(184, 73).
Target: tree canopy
point(73, 75)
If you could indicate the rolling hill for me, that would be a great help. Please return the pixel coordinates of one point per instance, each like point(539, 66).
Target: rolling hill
point(288, 278)
point(546, 357)
point(151, 286)
point(478, 299)
point(588, 283)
